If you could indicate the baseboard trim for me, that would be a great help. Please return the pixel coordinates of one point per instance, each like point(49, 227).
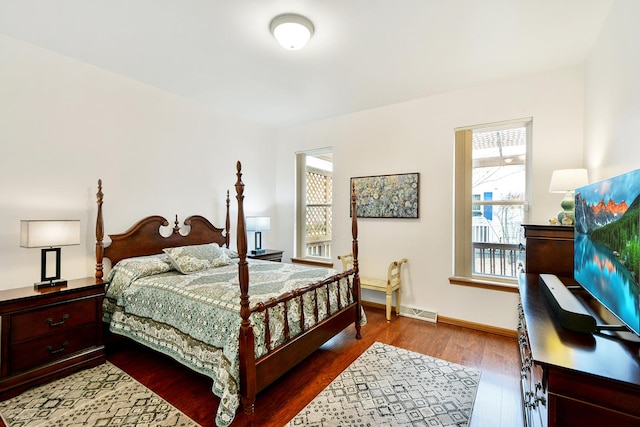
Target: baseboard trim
point(377, 305)
point(510, 333)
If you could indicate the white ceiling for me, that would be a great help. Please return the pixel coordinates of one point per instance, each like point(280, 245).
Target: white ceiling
point(364, 53)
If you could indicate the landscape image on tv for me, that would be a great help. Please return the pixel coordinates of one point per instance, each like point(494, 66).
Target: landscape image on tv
point(606, 244)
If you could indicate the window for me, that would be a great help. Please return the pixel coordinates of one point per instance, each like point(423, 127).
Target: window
point(314, 203)
point(490, 201)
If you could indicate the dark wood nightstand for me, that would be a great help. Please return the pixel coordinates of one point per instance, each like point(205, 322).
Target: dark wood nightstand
point(269, 255)
point(49, 333)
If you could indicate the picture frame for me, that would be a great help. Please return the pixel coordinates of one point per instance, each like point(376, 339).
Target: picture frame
point(387, 196)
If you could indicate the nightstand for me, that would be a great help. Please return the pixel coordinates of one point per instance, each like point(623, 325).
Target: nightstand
point(49, 333)
point(269, 255)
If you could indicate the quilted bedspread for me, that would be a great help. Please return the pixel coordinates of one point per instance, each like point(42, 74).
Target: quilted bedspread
point(195, 317)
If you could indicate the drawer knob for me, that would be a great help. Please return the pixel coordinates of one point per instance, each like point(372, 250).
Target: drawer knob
point(59, 350)
point(50, 321)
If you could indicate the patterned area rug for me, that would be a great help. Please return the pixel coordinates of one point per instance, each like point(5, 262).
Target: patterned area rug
point(391, 386)
point(100, 396)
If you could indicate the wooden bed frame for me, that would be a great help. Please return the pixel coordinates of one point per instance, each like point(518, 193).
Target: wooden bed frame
point(144, 238)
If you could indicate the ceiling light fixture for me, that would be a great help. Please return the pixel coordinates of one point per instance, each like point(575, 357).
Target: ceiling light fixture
point(292, 31)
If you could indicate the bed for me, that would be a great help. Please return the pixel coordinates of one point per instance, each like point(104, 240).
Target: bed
point(188, 295)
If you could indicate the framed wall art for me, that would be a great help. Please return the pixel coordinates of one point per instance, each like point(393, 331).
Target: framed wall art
point(387, 196)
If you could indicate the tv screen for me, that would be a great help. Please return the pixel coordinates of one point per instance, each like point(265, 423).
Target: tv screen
point(606, 245)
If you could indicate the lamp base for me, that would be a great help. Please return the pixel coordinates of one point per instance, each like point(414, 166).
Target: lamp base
point(566, 218)
point(567, 215)
point(50, 284)
point(258, 251)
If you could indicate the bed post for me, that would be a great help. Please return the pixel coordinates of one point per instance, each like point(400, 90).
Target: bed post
point(227, 223)
point(99, 233)
point(354, 249)
point(247, 352)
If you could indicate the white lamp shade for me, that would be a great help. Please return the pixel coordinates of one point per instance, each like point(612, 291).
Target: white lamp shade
point(258, 223)
point(40, 234)
point(292, 31)
point(564, 180)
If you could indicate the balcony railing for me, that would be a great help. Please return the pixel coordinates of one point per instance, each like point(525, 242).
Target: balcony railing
point(319, 247)
point(497, 259)
point(491, 259)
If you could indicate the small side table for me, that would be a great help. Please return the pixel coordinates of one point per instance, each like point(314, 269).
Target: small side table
point(49, 333)
point(269, 255)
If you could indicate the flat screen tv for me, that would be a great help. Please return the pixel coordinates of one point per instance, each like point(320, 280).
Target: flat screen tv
point(606, 245)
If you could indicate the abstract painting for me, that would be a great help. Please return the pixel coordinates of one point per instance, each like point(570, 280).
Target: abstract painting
point(387, 196)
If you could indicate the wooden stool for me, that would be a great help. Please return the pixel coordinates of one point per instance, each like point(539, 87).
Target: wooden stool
point(392, 283)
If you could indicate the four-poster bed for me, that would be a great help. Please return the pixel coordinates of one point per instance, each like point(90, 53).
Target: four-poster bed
point(249, 332)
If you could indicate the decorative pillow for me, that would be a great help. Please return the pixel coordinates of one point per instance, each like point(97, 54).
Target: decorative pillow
point(130, 269)
point(190, 259)
point(230, 253)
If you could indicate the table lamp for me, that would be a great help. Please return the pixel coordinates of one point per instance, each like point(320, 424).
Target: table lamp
point(258, 224)
point(49, 235)
point(566, 181)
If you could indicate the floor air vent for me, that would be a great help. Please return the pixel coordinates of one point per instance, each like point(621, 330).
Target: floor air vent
point(416, 313)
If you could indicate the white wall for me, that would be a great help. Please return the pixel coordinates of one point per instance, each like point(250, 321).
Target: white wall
point(64, 124)
point(612, 89)
point(418, 136)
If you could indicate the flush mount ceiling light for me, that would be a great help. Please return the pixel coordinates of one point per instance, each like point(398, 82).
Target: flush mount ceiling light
point(292, 31)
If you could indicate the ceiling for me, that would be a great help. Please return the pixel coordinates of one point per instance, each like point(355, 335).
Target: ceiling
point(364, 53)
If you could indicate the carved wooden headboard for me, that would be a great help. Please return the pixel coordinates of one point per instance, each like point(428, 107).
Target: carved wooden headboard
point(144, 237)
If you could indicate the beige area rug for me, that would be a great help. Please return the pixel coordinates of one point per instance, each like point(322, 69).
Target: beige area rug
point(100, 396)
point(391, 386)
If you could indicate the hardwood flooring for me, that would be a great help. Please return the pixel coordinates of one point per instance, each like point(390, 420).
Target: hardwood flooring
point(498, 403)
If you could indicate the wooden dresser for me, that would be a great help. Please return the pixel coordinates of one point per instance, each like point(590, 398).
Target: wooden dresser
point(570, 378)
point(49, 333)
point(549, 249)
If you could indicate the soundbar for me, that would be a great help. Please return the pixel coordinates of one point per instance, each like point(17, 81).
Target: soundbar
point(570, 312)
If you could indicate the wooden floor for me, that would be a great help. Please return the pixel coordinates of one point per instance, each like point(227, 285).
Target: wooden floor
point(497, 403)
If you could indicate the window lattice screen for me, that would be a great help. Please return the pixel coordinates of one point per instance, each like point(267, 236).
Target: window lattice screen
point(319, 197)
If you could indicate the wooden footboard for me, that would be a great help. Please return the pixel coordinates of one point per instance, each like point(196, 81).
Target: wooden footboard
point(255, 375)
point(293, 350)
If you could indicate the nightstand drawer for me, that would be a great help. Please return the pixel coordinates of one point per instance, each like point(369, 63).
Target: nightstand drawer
point(53, 319)
point(46, 349)
point(48, 333)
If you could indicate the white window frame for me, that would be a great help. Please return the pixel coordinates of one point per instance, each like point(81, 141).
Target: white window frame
point(463, 202)
point(301, 204)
